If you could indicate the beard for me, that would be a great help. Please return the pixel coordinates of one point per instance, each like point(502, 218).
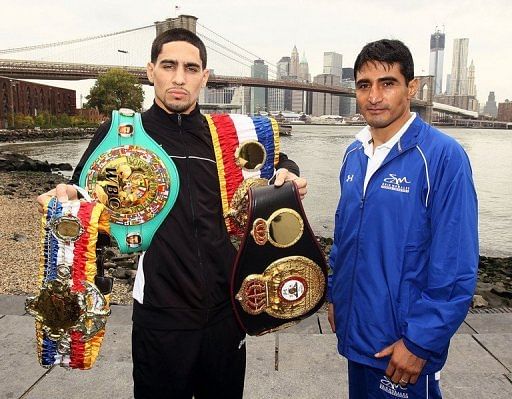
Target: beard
point(175, 107)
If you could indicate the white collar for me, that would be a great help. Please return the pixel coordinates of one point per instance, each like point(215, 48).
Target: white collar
point(365, 136)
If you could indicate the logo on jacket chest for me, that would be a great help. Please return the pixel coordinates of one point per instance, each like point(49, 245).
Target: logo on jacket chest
point(396, 183)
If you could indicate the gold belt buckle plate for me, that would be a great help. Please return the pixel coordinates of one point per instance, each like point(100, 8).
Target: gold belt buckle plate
point(61, 310)
point(288, 288)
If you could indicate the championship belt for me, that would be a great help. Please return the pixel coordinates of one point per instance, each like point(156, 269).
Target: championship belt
point(134, 178)
point(246, 151)
point(280, 273)
point(70, 310)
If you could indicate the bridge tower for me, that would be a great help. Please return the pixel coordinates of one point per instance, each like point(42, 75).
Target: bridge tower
point(181, 21)
point(425, 93)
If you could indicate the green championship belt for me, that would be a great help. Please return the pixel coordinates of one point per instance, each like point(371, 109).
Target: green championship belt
point(134, 178)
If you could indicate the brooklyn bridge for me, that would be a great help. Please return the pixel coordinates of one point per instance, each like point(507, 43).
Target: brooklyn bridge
point(87, 58)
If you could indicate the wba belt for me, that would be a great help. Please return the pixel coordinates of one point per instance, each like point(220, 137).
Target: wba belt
point(134, 178)
point(70, 311)
point(280, 273)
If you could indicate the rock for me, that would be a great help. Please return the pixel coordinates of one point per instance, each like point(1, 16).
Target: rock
point(131, 274)
point(479, 302)
point(19, 237)
point(61, 166)
point(11, 161)
point(109, 265)
point(119, 272)
point(501, 291)
point(46, 134)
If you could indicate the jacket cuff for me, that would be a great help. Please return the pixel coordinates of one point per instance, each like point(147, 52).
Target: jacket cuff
point(416, 350)
point(328, 295)
point(285, 163)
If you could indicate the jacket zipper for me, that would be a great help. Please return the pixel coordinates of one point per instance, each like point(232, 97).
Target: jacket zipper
point(193, 212)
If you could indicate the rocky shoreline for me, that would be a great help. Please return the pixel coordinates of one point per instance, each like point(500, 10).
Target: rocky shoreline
point(19, 241)
point(71, 133)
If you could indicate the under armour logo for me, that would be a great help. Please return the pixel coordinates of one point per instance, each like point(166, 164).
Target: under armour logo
point(350, 178)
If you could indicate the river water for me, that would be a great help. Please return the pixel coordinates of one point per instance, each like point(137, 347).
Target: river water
point(319, 149)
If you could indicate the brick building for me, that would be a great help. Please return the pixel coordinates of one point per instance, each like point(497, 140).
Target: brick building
point(505, 111)
point(20, 97)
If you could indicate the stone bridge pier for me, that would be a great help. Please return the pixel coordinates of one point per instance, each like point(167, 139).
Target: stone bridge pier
point(425, 93)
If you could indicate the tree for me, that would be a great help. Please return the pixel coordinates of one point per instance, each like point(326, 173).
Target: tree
point(115, 89)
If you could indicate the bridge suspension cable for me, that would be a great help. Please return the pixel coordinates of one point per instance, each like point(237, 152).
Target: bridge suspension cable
point(244, 58)
point(237, 46)
point(63, 43)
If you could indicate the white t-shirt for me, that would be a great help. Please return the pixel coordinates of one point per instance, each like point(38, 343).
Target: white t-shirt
point(376, 156)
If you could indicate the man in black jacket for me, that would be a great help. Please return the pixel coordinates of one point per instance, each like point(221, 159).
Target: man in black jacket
point(185, 339)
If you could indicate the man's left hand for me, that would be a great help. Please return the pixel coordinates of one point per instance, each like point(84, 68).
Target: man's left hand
point(404, 367)
point(285, 175)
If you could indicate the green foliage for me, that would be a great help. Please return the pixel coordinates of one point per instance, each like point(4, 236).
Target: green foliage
point(23, 121)
point(42, 119)
point(45, 120)
point(80, 121)
point(115, 89)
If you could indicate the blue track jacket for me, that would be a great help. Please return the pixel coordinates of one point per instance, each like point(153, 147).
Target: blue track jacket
point(405, 254)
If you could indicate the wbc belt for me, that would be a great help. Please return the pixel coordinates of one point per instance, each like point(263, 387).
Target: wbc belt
point(70, 310)
point(134, 178)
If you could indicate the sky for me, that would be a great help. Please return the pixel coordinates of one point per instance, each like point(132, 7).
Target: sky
point(270, 29)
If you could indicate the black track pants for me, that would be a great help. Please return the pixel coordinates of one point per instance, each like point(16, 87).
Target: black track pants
point(205, 363)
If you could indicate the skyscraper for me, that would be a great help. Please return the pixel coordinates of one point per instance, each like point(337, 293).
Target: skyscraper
point(471, 80)
point(347, 104)
point(333, 63)
point(294, 62)
point(490, 106)
point(283, 72)
point(259, 94)
point(277, 97)
point(437, 40)
point(283, 67)
point(304, 75)
point(297, 96)
point(325, 103)
point(459, 77)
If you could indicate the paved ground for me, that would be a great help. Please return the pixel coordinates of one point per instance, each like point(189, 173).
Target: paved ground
point(300, 362)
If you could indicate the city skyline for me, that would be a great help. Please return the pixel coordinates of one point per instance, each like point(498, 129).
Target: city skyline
point(271, 29)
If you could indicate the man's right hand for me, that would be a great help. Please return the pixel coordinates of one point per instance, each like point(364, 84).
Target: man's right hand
point(63, 192)
point(330, 316)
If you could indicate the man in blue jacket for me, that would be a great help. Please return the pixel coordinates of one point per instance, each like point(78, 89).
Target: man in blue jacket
point(405, 251)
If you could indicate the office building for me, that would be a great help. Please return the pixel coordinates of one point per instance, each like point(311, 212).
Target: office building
point(437, 41)
point(259, 95)
point(325, 103)
point(459, 75)
point(490, 107)
point(333, 63)
point(505, 111)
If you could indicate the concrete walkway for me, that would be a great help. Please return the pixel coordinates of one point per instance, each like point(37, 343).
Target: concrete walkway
point(300, 362)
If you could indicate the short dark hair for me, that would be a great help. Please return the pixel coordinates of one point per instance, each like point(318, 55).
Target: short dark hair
point(178, 35)
point(389, 52)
